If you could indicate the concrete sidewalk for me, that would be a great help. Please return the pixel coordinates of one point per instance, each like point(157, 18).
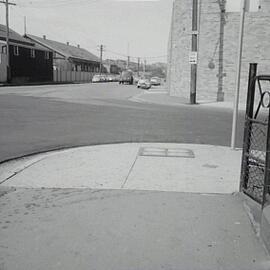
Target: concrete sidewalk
point(136, 166)
point(159, 95)
point(134, 206)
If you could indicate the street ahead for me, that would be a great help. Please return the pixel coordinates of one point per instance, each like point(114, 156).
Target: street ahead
point(41, 118)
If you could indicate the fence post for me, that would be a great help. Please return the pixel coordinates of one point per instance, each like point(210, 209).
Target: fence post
point(248, 124)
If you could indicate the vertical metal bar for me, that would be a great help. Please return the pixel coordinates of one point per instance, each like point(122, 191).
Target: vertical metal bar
point(248, 125)
point(238, 74)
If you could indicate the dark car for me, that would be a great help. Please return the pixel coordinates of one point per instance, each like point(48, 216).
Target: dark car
point(126, 77)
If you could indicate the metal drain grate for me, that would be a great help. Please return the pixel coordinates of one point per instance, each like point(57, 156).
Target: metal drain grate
point(166, 152)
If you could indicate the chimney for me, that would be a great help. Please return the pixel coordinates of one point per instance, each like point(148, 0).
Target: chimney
point(44, 36)
point(78, 45)
point(67, 43)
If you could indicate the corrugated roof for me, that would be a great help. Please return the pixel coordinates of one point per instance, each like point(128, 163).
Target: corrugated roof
point(13, 36)
point(68, 51)
point(17, 39)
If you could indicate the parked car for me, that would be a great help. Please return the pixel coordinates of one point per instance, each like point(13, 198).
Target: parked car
point(155, 81)
point(110, 78)
point(97, 78)
point(144, 84)
point(126, 77)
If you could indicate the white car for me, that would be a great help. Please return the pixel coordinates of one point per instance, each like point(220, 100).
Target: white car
point(144, 84)
point(155, 81)
point(97, 78)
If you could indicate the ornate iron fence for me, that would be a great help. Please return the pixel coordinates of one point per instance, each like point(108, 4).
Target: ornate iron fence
point(255, 171)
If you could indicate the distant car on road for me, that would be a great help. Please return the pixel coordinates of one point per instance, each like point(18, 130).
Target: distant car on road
point(110, 78)
point(98, 78)
point(155, 81)
point(144, 84)
point(126, 77)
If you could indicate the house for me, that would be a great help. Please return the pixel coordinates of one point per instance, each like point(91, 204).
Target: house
point(111, 66)
point(28, 61)
point(67, 57)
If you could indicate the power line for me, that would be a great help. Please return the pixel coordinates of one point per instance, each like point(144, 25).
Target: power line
point(59, 3)
point(136, 57)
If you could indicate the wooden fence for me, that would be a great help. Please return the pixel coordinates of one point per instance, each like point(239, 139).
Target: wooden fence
point(72, 76)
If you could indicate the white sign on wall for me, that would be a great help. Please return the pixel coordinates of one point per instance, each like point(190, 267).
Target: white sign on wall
point(193, 57)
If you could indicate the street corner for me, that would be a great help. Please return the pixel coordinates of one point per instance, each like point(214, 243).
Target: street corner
point(133, 166)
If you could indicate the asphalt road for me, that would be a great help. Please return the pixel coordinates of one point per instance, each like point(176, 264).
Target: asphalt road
point(41, 118)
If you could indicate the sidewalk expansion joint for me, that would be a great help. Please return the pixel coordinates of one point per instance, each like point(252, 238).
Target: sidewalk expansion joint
point(130, 170)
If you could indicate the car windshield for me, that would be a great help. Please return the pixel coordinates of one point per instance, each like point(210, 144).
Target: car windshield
point(134, 134)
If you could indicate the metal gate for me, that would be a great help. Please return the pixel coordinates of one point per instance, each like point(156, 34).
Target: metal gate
point(255, 171)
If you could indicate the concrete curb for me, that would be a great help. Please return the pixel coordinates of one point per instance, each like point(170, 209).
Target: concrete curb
point(155, 99)
point(213, 169)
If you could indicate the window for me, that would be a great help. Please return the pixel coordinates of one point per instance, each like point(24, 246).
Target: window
point(32, 53)
point(16, 50)
point(4, 49)
point(47, 55)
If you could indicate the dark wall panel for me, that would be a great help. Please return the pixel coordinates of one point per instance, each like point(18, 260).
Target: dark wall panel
point(24, 68)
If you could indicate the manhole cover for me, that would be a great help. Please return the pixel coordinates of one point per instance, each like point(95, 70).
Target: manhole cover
point(166, 152)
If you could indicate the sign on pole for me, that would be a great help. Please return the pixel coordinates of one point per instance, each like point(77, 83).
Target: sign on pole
point(193, 57)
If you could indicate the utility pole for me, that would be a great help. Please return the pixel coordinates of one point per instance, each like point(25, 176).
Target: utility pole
point(128, 61)
point(238, 75)
point(25, 25)
point(128, 58)
point(138, 66)
point(194, 51)
point(144, 67)
point(100, 64)
point(220, 93)
point(7, 37)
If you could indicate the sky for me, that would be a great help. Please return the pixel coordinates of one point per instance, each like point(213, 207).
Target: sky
point(139, 28)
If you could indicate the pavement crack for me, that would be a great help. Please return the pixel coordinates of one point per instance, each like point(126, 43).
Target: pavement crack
point(130, 170)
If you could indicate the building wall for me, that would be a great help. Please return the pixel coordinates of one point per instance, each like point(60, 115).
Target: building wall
point(66, 65)
point(256, 49)
point(27, 69)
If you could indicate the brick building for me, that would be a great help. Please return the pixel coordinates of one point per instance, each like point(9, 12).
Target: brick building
point(217, 48)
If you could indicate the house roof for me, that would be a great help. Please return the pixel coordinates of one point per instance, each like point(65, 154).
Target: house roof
point(14, 37)
point(17, 39)
point(65, 50)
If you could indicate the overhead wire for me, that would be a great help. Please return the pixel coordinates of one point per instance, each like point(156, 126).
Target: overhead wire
point(52, 4)
point(58, 3)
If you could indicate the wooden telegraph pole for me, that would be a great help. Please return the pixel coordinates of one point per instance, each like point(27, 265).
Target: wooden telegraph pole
point(7, 37)
point(194, 52)
point(138, 66)
point(101, 54)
